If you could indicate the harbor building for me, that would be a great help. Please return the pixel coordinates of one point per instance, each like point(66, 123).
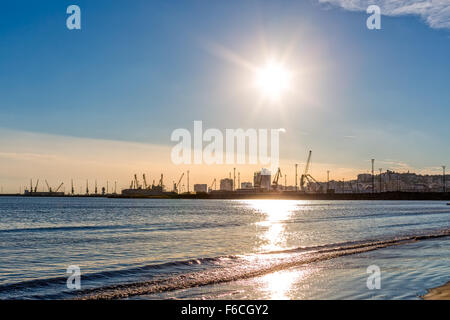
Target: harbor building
point(226, 184)
point(199, 188)
point(246, 185)
point(262, 179)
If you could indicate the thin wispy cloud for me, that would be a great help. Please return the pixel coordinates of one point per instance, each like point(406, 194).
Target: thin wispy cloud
point(396, 165)
point(436, 13)
point(26, 156)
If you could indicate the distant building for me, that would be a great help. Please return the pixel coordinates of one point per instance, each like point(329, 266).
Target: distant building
point(198, 188)
point(262, 179)
point(364, 177)
point(246, 185)
point(226, 184)
point(257, 179)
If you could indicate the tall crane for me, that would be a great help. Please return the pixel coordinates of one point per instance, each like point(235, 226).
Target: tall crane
point(175, 187)
point(48, 187)
point(306, 177)
point(213, 184)
point(239, 180)
point(37, 183)
point(136, 182)
point(187, 178)
point(145, 181)
point(57, 189)
point(161, 184)
point(278, 175)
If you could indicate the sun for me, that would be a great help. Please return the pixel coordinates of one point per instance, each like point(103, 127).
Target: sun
point(273, 80)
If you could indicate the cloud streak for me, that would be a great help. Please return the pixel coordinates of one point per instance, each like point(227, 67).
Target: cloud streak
point(436, 13)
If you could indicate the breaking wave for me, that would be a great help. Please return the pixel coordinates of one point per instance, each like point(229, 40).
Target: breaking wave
point(234, 268)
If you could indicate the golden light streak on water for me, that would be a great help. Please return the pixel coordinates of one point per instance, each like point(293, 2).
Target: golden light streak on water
point(276, 213)
point(279, 285)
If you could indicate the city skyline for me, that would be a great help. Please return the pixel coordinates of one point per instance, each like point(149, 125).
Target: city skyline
point(109, 158)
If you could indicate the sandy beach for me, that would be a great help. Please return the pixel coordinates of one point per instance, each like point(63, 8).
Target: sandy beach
point(439, 293)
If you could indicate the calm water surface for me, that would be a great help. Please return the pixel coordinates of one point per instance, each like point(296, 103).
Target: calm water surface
point(221, 249)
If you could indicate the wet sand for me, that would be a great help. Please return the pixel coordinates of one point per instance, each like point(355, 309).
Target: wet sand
point(439, 293)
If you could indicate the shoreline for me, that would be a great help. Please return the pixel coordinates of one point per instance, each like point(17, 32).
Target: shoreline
point(438, 293)
point(283, 195)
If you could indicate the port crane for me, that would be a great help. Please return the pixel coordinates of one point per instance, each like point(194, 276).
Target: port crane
point(145, 181)
point(176, 185)
point(33, 188)
point(136, 182)
point(50, 189)
point(57, 189)
point(306, 177)
point(213, 184)
point(278, 175)
point(161, 181)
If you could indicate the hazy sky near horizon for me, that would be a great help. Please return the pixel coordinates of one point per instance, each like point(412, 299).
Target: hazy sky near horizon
point(140, 69)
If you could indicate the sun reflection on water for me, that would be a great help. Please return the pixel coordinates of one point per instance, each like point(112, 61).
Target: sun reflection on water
point(273, 236)
point(279, 285)
point(275, 214)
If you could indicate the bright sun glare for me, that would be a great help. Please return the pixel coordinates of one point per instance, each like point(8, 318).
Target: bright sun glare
point(273, 80)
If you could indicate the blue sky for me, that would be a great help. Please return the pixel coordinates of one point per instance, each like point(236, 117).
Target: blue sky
point(140, 69)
